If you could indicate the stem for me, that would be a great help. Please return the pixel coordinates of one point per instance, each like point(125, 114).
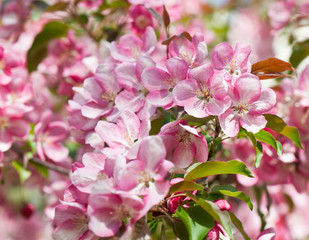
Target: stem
point(217, 133)
point(51, 166)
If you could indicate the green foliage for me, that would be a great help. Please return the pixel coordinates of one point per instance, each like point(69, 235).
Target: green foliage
point(23, 173)
point(300, 52)
point(230, 191)
point(257, 148)
point(237, 223)
point(197, 221)
point(266, 137)
point(212, 209)
point(210, 168)
point(277, 124)
point(38, 50)
point(185, 186)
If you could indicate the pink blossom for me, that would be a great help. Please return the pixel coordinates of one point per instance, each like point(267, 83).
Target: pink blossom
point(203, 94)
point(71, 222)
point(48, 137)
point(193, 52)
point(141, 18)
point(233, 63)
point(92, 171)
point(134, 94)
point(8, 62)
point(99, 92)
point(11, 126)
point(146, 175)
point(267, 234)
point(130, 47)
point(17, 94)
point(121, 136)
point(183, 143)
point(108, 212)
point(280, 13)
point(249, 102)
point(160, 83)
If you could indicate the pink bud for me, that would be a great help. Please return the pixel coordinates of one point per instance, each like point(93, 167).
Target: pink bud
point(27, 210)
point(223, 204)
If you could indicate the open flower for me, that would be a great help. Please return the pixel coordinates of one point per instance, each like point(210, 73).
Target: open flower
point(249, 102)
point(48, 136)
point(203, 94)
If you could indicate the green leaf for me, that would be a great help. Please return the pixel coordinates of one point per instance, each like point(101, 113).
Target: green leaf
point(38, 50)
point(266, 137)
point(23, 173)
point(59, 6)
point(191, 119)
point(238, 224)
point(185, 186)
point(41, 169)
point(229, 190)
point(257, 147)
point(156, 125)
point(197, 221)
point(300, 52)
point(277, 124)
point(212, 209)
point(216, 167)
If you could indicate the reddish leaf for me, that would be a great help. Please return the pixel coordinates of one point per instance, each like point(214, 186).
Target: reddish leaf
point(182, 35)
point(270, 68)
point(166, 17)
point(168, 41)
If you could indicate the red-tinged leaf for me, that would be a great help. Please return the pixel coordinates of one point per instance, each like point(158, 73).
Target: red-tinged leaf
point(182, 35)
point(166, 17)
point(187, 36)
point(270, 68)
point(168, 41)
point(263, 76)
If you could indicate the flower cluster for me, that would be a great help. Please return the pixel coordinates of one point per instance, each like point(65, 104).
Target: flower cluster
point(126, 115)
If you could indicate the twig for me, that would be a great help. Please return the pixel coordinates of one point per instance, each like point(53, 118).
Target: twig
point(51, 166)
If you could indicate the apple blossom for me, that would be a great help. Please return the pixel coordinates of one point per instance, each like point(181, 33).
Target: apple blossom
point(249, 102)
point(203, 94)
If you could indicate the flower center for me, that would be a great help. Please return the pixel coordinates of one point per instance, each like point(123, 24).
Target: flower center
point(110, 97)
point(203, 93)
point(232, 68)
point(141, 22)
point(184, 137)
point(185, 54)
point(3, 123)
point(145, 178)
point(136, 51)
point(169, 81)
point(242, 107)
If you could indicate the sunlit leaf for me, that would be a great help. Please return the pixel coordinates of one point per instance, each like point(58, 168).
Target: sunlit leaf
point(59, 6)
point(38, 50)
point(266, 137)
point(197, 221)
point(299, 52)
point(212, 209)
point(217, 167)
point(229, 190)
point(185, 186)
point(238, 224)
point(258, 148)
point(277, 124)
point(23, 173)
